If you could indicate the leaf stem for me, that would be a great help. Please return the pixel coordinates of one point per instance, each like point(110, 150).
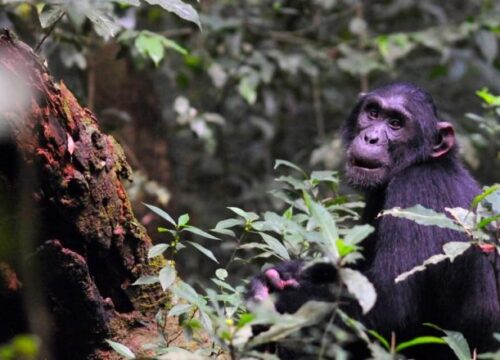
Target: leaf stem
point(51, 29)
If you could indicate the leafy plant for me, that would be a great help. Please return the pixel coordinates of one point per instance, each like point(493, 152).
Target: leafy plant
point(314, 227)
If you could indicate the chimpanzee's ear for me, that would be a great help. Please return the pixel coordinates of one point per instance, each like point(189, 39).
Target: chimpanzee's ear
point(446, 139)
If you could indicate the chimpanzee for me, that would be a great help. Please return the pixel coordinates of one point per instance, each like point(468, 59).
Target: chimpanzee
point(399, 153)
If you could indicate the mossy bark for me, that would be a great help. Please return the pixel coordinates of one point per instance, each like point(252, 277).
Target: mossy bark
point(87, 246)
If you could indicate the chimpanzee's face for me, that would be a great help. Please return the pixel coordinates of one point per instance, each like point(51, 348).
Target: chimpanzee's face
point(383, 133)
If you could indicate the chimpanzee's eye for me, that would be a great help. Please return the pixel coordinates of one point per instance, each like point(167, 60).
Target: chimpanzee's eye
point(395, 123)
point(373, 111)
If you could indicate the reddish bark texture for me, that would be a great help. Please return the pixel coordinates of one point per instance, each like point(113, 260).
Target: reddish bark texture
point(89, 247)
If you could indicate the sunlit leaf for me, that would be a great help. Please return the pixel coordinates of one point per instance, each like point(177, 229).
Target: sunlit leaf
point(456, 341)
point(248, 216)
point(199, 232)
point(328, 229)
point(423, 216)
point(421, 340)
point(121, 349)
point(161, 213)
point(360, 287)
point(150, 46)
point(167, 277)
point(180, 309)
point(146, 280)
point(157, 250)
point(180, 8)
point(204, 250)
point(275, 245)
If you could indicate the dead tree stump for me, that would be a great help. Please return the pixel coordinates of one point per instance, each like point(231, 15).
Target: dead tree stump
point(74, 244)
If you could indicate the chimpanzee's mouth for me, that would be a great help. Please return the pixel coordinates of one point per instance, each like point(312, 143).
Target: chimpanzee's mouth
point(368, 164)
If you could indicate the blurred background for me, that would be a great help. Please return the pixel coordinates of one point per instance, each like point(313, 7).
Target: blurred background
point(203, 117)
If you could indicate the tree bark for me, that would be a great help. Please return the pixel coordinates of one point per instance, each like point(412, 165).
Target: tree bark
point(74, 237)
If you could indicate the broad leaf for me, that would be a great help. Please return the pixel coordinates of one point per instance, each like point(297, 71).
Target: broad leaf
point(423, 216)
point(360, 287)
point(121, 349)
point(180, 309)
point(456, 341)
point(204, 250)
point(276, 246)
point(180, 8)
point(157, 250)
point(328, 229)
point(167, 277)
point(146, 280)
point(161, 213)
point(199, 232)
point(150, 46)
point(248, 216)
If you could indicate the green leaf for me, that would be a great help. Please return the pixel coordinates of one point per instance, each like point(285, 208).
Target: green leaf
point(290, 165)
point(430, 261)
point(329, 176)
point(161, 213)
point(344, 249)
point(179, 309)
point(486, 221)
point(146, 280)
point(380, 339)
point(248, 216)
point(486, 192)
point(157, 250)
point(50, 15)
point(223, 285)
point(128, 2)
point(204, 250)
point(245, 319)
point(183, 220)
point(180, 8)
point(105, 24)
point(358, 233)
point(167, 277)
point(423, 216)
point(294, 182)
point(328, 229)
point(248, 88)
point(310, 313)
point(451, 251)
point(454, 249)
point(199, 232)
point(456, 341)
point(171, 44)
point(421, 340)
point(186, 292)
point(223, 226)
point(360, 287)
point(121, 349)
point(488, 97)
point(150, 46)
point(275, 245)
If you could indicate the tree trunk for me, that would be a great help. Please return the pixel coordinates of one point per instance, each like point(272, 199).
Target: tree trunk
point(74, 246)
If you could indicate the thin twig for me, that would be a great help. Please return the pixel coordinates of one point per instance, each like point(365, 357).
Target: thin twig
point(52, 27)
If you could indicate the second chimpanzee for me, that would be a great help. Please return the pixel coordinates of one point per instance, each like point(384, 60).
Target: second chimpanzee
point(399, 153)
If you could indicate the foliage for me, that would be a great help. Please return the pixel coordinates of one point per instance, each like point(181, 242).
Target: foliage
point(316, 226)
point(20, 347)
point(481, 223)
